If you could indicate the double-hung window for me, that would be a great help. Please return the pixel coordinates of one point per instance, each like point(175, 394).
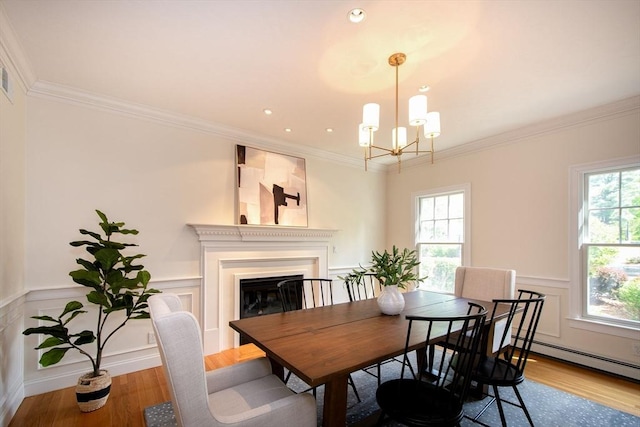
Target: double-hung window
point(610, 245)
point(442, 235)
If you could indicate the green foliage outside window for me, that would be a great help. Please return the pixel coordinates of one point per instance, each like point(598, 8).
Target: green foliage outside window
point(613, 234)
point(629, 294)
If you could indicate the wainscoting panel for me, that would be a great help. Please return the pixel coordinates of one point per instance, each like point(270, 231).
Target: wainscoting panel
point(11, 358)
point(131, 349)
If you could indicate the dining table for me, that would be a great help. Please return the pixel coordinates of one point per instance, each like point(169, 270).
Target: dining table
point(324, 345)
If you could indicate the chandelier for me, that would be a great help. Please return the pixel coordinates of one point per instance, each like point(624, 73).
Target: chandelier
point(418, 116)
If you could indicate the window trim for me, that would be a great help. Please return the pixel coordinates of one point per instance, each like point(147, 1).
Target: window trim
point(577, 295)
point(466, 194)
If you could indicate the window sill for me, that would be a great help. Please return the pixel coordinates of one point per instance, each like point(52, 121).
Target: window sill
point(603, 327)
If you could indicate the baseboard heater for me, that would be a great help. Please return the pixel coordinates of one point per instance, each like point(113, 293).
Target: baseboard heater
point(582, 353)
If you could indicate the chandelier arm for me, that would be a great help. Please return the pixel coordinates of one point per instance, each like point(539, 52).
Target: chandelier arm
point(388, 150)
point(431, 149)
point(410, 144)
point(378, 155)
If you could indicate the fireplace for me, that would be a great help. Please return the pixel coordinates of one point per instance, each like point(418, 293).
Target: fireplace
point(234, 253)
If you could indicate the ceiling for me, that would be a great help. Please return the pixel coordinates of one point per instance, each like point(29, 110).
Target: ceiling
point(492, 66)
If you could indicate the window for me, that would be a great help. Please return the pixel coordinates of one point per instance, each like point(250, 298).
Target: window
point(442, 230)
point(610, 250)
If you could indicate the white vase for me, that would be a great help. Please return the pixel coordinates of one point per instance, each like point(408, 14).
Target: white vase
point(391, 300)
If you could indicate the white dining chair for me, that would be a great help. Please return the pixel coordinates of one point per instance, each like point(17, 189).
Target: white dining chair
point(246, 394)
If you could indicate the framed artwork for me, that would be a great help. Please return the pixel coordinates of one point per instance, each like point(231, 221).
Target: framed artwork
point(271, 188)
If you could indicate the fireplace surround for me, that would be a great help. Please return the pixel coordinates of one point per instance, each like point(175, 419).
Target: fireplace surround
point(231, 253)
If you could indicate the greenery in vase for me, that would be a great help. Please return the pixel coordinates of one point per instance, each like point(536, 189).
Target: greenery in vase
point(116, 285)
point(390, 268)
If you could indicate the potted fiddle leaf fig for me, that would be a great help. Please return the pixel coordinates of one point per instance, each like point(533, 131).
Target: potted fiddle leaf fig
point(116, 284)
point(395, 269)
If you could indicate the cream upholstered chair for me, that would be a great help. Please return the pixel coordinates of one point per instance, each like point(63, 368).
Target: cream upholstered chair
point(487, 284)
point(244, 394)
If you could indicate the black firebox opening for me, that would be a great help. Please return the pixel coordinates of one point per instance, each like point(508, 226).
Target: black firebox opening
point(260, 296)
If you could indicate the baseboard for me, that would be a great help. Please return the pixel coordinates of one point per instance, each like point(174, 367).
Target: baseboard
point(10, 403)
point(587, 360)
point(69, 379)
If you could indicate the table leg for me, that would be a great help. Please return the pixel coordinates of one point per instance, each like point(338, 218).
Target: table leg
point(335, 402)
point(277, 369)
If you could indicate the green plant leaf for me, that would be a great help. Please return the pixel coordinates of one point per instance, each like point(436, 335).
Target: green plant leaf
point(102, 216)
point(84, 337)
point(53, 356)
point(141, 316)
point(56, 331)
point(71, 306)
point(77, 243)
point(75, 313)
point(144, 277)
point(124, 231)
point(96, 236)
point(86, 278)
point(50, 342)
point(89, 266)
point(107, 258)
point(47, 318)
point(98, 298)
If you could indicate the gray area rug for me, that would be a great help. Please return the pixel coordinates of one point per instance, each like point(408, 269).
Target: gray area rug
point(548, 407)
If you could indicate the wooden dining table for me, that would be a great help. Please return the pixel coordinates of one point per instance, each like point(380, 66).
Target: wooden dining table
point(324, 345)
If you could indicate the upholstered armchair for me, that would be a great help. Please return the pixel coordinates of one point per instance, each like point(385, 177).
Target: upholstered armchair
point(246, 394)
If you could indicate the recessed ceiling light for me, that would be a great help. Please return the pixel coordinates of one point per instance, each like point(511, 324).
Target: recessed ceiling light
point(267, 111)
point(424, 88)
point(329, 130)
point(357, 15)
point(287, 129)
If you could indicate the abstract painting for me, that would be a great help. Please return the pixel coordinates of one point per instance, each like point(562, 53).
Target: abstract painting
point(271, 188)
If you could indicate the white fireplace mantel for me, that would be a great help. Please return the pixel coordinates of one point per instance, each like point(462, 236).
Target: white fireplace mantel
point(252, 233)
point(230, 253)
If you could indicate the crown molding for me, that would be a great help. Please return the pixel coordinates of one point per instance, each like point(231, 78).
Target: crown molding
point(57, 92)
point(603, 112)
point(11, 49)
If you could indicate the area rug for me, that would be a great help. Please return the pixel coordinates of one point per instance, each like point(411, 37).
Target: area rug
point(548, 407)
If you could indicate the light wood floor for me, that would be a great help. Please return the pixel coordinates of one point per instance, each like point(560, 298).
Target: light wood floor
point(131, 393)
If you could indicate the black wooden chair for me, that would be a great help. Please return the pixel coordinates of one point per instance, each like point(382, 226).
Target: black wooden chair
point(435, 401)
point(299, 294)
point(507, 368)
point(366, 287)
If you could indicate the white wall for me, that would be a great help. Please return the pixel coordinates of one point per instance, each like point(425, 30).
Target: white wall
point(520, 215)
point(157, 177)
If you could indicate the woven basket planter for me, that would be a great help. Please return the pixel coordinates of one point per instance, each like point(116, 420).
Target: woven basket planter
point(92, 392)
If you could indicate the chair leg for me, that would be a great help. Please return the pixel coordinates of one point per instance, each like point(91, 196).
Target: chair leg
point(353, 386)
point(493, 399)
point(522, 405)
point(500, 409)
point(432, 352)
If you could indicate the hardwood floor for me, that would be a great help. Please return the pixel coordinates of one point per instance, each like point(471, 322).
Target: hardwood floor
point(131, 393)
